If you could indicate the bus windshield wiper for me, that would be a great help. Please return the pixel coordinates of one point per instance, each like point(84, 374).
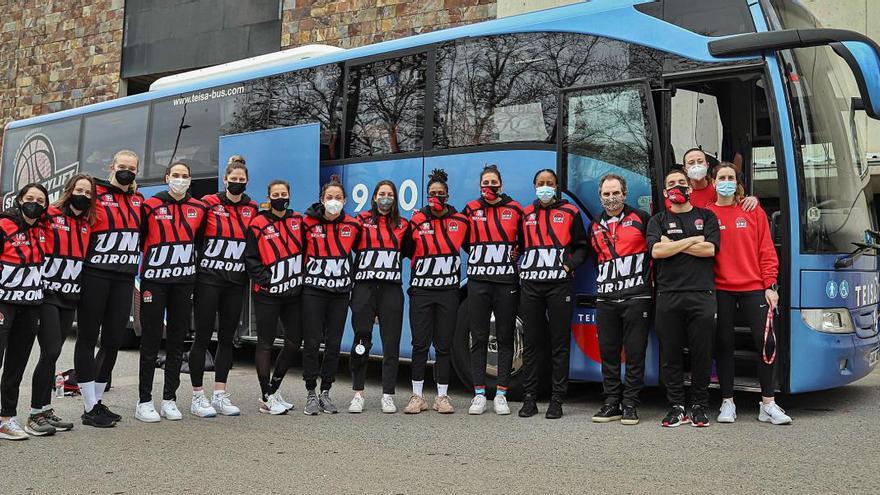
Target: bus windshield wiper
point(861, 249)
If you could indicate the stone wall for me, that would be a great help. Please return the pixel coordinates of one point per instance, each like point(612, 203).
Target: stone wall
point(350, 23)
point(58, 54)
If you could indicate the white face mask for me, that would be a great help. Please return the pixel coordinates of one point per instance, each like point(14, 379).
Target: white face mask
point(697, 172)
point(333, 206)
point(178, 186)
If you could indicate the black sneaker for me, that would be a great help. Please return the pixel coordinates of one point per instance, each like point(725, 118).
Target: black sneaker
point(529, 407)
point(97, 418)
point(107, 412)
point(554, 410)
point(608, 413)
point(699, 418)
point(630, 416)
point(55, 421)
point(675, 417)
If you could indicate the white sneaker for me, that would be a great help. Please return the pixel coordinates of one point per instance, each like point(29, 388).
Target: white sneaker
point(388, 406)
point(146, 412)
point(478, 404)
point(357, 404)
point(501, 407)
point(170, 411)
point(223, 405)
point(272, 406)
point(287, 405)
point(201, 406)
point(772, 413)
point(728, 412)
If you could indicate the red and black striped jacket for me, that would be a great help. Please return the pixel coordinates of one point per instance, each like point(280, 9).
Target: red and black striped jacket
point(114, 244)
point(554, 239)
point(67, 238)
point(169, 231)
point(221, 256)
point(493, 233)
point(21, 257)
point(274, 252)
point(622, 258)
point(380, 246)
point(437, 243)
point(329, 246)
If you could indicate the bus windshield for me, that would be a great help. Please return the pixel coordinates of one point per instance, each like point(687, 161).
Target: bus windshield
point(836, 208)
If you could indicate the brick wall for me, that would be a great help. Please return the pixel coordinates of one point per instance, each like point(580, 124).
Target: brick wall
point(349, 23)
point(57, 54)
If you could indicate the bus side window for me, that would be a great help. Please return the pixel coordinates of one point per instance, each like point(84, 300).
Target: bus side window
point(106, 133)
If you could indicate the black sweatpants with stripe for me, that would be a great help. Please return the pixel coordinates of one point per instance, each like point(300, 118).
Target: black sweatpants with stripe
point(164, 307)
point(270, 312)
point(220, 304)
point(324, 315)
point(433, 314)
point(545, 308)
point(484, 299)
point(370, 300)
point(105, 308)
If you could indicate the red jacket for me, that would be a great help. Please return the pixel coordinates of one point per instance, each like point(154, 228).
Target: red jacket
point(169, 229)
point(21, 254)
point(554, 238)
point(622, 258)
point(748, 261)
point(221, 257)
point(493, 233)
point(380, 246)
point(274, 254)
point(329, 246)
point(67, 238)
point(437, 243)
point(114, 243)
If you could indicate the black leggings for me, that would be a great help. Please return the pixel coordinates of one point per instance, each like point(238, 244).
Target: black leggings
point(323, 318)
point(18, 327)
point(752, 308)
point(269, 312)
point(433, 314)
point(163, 307)
point(485, 298)
point(105, 307)
point(369, 300)
point(55, 322)
point(545, 309)
point(220, 304)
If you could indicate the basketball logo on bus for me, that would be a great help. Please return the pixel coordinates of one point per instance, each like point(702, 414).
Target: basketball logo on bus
point(35, 161)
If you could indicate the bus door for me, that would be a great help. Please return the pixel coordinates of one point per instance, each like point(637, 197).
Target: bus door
point(287, 153)
point(608, 128)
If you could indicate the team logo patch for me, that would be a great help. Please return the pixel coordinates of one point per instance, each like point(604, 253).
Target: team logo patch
point(506, 214)
point(84, 230)
point(135, 202)
point(60, 220)
point(246, 213)
point(148, 296)
point(270, 229)
point(295, 226)
point(558, 218)
point(479, 213)
point(532, 216)
point(425, 226)
point(741, 223)
point(346, 232)
point(626, 223)
point(698, 224)
point(191, 213)
point(453, 226)
point(108, 197)
point(163, 211)
point(319, 229)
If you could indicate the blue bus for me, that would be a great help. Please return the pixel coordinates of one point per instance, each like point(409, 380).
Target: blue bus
point(594, 87)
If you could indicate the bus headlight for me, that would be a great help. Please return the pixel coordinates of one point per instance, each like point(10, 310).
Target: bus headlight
point(837, 320)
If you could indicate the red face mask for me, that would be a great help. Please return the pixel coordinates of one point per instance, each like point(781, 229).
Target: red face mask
point(490, 192)
point(437, 203)
point(678, 195)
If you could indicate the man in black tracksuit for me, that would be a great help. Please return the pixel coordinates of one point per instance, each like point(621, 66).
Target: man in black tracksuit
point(623, 303)
point(683, 241)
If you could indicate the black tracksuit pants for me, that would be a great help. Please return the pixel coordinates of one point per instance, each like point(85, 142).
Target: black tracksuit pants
point(433, 314)
point(164, 307)
point(220, 304)
point(105, 308)
point(686, 320)
point(483, 299)
point(545, 309)
point(18, 327)
point(623, 325)
point(752, 306)
point(373, 299)
point(55, 322)
point(270, 311)
point(324, 315)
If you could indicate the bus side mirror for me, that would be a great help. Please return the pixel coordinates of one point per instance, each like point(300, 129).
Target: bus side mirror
point(863, 57)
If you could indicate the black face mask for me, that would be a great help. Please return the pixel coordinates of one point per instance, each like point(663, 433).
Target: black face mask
point(32, 209)
point(280, 204)
point(236, 188)
point(124, 177)
point(81, 202)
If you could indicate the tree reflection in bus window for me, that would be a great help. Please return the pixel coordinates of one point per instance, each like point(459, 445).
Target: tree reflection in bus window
point(106, 133)
point(386, 102)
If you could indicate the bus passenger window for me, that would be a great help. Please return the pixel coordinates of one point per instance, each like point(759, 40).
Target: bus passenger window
point(386, 106)
point(106, 133)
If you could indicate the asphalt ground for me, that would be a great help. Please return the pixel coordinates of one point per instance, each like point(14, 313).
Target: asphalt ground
point(830, 448)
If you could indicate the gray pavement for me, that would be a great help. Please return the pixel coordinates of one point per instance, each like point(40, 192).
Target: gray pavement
point(831, 448)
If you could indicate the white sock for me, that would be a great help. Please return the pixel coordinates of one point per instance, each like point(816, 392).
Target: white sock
point(87, 389)
point(387, 396)
point(99, 390)
point(219, 392)
point(417, 387)
point(198, 393)
point(34, 412)
point(442, 389)
point(47, 407)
